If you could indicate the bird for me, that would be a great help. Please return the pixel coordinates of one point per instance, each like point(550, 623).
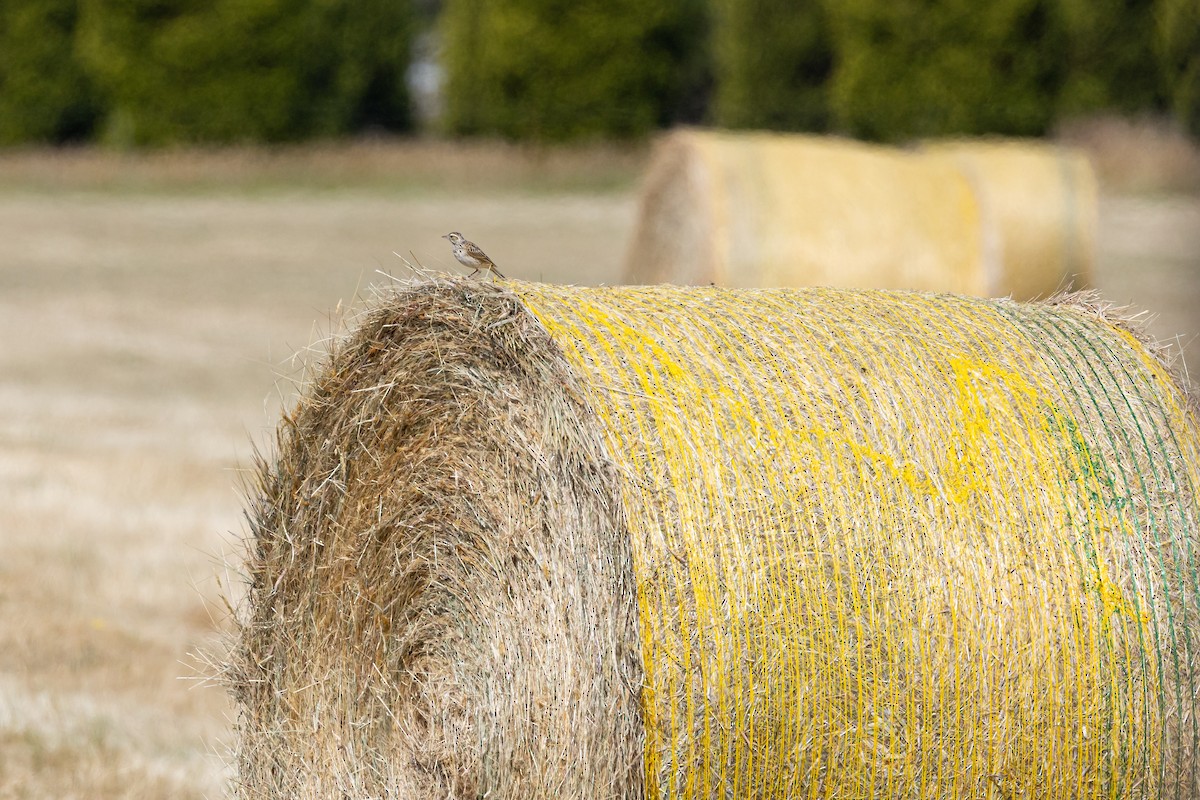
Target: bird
point(469, 255)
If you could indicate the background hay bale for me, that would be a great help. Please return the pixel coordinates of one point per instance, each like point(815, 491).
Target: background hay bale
point(880, 545)
point(763, 210)
point(1040, 202)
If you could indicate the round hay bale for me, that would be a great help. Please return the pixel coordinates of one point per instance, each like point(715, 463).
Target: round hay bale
point(763, 209)
point(785, 210)
point(533, 541)
point(1040, 199)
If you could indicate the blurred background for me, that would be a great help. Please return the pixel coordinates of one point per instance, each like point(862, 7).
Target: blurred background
point(170, 72)
point(194, 194)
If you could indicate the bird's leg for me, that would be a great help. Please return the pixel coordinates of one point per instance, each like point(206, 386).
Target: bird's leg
point(473, 274)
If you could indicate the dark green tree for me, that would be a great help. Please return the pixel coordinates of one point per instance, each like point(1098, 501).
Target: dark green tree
point(773, 60)
point(1110, 57)
point(247, 70)
point(913, 68)
point(1178, 40)
point(44, 94)
point(553, 70)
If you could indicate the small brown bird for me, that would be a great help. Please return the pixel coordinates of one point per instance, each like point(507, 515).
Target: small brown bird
point(469, 255)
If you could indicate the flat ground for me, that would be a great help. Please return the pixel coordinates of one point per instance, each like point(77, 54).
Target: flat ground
point(149, 312)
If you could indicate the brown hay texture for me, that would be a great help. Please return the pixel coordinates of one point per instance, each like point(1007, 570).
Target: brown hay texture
point(524, 541)
point(987, 218)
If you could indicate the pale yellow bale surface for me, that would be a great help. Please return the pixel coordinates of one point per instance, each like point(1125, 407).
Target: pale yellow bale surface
point(1040, 201)
point(783, 210)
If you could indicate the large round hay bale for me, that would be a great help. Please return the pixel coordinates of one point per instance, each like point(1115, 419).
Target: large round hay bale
point(532, 541)
point(767, 210)
point(1039, 199)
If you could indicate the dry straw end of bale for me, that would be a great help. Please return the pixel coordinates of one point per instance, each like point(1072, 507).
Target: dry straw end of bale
point(441, 599)
point(677, 237)
point(536, 541)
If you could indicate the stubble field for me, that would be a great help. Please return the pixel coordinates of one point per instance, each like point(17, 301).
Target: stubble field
point(149, 314)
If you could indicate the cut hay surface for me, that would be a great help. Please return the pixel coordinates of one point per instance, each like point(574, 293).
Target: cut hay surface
point(534, 541)
point(441, 601)
point(983, 218)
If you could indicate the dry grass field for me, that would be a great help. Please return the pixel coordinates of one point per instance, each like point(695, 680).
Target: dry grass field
point(149, 310)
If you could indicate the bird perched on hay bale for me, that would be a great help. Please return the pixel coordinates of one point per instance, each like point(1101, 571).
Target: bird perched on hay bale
point(471, 255)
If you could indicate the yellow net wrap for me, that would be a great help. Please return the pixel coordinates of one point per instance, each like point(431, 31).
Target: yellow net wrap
point(898, 545)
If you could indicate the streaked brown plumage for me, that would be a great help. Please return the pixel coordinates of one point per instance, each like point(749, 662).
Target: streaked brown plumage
point(469, 255)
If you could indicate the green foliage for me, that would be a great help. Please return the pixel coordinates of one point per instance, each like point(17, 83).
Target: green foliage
point(166, 71)
point(44, 94)
point(1109, 57)
point(554, 70)
point(896, 69)
point(913, 68)
point(1178, 39)
point(773, 61)
point(246, 70)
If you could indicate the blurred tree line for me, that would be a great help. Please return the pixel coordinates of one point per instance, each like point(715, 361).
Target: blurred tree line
point(138, 72)
point(134, 72)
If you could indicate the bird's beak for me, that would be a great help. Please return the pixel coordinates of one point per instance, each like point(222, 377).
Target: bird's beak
point(447, 236)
